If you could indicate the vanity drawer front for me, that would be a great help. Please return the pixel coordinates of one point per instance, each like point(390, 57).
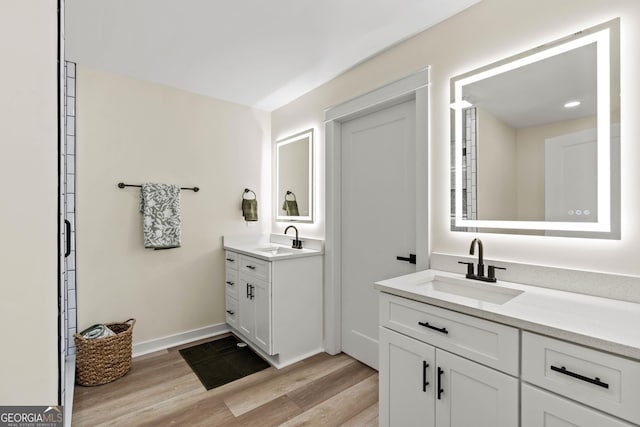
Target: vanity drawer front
point(255, 267)
point(606, 382)
point(483, 341)
point(231, 307)
point(541, 408)
point(231, 283)
point(231, 260)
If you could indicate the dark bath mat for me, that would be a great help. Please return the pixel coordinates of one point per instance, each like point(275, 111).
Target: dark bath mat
point(222, 361)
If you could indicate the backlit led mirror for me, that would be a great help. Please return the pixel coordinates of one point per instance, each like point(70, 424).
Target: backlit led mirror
point(536, 140)
point(294, 178)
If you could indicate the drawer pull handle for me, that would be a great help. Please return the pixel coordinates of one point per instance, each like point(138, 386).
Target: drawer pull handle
point(595, 381)
point(230, 283)
point(231, 260)
point(427, 325)
point(230, 312)
point(425, 383)
point(440, 389)
point(252, 267)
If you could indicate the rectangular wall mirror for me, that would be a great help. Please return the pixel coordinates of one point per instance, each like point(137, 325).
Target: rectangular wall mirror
point(536, 146)
point(294, 178)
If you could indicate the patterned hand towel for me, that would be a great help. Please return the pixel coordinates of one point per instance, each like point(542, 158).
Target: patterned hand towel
point(160, 207)
point(291, 208)
point(250, 209)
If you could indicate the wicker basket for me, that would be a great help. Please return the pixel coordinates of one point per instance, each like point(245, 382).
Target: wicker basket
point(102, 360)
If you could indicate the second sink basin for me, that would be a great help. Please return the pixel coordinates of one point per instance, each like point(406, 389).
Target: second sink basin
point(473, 289)
point(277, 250)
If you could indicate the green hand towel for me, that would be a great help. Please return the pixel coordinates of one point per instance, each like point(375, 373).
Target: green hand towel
point(250, 209)
point(291, 208)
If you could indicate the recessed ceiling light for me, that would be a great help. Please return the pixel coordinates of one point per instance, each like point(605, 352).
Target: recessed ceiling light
point(571, 104)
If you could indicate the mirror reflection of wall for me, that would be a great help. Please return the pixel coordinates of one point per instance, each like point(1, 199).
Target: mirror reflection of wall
point(294, 177)
point(528, 135)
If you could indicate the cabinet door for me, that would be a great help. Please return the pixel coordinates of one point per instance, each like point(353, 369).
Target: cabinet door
point(543, 409)
point(261, 295)
point(469, 394)
point(407, 381)
point(246, 312)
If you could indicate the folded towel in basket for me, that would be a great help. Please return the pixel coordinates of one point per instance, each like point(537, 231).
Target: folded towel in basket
point(160, 206)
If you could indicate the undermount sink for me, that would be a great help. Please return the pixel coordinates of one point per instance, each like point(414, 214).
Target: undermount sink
point(473, 289)
point(277, 250)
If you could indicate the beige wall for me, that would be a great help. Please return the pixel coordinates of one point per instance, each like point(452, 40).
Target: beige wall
point(487, 32)
point(496, 163)
point(134, 131)
point(29, 173)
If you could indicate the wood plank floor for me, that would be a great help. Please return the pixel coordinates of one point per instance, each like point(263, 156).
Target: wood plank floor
point(161, 390)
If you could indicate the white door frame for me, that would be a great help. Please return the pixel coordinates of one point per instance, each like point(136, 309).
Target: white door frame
point(414, 86)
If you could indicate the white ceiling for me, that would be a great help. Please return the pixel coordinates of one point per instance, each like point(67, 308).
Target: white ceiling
point(260, 53)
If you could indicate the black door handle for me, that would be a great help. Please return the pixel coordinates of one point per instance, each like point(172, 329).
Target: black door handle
point(425, 383)
point(440, 390)
point(67, 234)
point(230, 312)
point(230, 283)
point(411, 259)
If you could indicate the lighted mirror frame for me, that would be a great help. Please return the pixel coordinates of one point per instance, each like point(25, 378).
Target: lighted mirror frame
point(601, 37)
point(308, 135)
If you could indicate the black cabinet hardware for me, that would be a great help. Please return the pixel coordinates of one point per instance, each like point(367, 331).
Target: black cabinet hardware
point(248, 290)
point(411, 259)
point(230, 312)
point(251, 294)
point(427, 325)
point(231, 260)
point(595, 381)
point(425, 383)
point(440, 390)
point(67, 235)
point(230, 283)
point(252, 267)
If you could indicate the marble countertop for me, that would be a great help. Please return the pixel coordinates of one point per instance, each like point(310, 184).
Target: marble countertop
point(601, 323)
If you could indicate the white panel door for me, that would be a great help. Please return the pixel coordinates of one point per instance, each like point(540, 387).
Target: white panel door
point(571, 177)
point(378, 217)
point(246, 310)
point(261, 295)
point(473, 395)
point(407, 381)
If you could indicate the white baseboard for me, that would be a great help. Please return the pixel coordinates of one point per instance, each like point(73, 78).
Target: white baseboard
point(158, 344)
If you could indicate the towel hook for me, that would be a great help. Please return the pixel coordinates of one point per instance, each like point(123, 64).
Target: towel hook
point(290, 193)
point(246, 190)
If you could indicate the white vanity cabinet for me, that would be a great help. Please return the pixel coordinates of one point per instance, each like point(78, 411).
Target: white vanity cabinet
point(591, 378)
point(424, 381)
point(275, 306)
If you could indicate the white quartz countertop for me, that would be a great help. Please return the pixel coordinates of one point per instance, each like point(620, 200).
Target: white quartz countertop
point(601, 323)
point(264, 247)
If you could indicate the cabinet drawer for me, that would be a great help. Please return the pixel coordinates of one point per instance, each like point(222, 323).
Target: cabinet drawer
point(231, 307)
point(606, 382)
point(255, 267)
point(231, 283)
point(231, 260)
point(541, 408)
point(483, 341)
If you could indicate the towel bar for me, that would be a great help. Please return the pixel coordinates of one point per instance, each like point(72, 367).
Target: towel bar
point(122, 185)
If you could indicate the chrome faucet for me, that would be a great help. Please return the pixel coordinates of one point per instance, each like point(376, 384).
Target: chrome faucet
point(297, 244)
point(479, 274)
